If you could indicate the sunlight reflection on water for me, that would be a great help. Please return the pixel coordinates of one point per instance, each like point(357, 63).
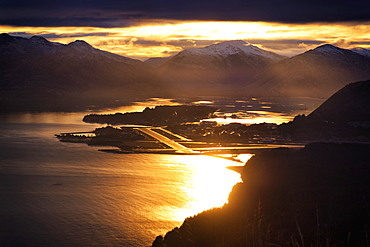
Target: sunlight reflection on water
point(207, 184)
point(140, 106)
point(120, 199)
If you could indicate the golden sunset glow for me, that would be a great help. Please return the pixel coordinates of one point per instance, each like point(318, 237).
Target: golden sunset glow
point(164, 38)
point(208, 185)
point(257, 120)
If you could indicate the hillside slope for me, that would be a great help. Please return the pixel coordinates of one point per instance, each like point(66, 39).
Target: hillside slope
point(316, 73)
point(36, 74)
point(316, 196)
point(350, 104)
point(345, 116)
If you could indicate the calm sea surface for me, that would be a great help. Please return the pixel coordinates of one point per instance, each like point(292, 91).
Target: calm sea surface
point(65, 194)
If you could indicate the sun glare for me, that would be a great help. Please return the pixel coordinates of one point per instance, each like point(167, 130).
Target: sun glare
point(208, 185)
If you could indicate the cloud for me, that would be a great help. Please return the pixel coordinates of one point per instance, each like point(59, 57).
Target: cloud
point(112, 13)
point(161, 38)
point(343, 43)
point(282, 44)
point(364, 43)
point(192, 43)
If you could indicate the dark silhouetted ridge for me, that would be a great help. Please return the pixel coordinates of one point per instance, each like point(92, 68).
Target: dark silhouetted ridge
point(316, 196)
point(350, 104)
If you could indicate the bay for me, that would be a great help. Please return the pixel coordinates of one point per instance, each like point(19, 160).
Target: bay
point(67, 194)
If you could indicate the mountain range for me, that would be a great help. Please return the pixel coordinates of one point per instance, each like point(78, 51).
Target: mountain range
point(362, 51)
point(36, 74)
point(234, 68)
point(218, 69)
point(316, 73)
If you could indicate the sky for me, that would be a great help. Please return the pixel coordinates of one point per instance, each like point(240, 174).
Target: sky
point(156, 28)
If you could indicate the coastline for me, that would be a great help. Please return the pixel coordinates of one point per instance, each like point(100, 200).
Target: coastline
point(263, 208)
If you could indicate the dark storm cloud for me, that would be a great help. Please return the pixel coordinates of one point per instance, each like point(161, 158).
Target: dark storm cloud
point(56, 36)
point(361, 43)
point(110, 13)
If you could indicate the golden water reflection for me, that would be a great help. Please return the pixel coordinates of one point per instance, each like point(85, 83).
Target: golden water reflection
point(140, 105)
point(207, 184)
point(261, 117)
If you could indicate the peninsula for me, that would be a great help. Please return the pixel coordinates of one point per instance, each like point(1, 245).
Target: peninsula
point(157, 116)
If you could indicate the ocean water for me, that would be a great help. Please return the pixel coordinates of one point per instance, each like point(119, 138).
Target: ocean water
point(66, 194)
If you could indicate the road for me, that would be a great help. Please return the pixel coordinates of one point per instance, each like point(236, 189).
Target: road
point(175, 145)
point(173, 134)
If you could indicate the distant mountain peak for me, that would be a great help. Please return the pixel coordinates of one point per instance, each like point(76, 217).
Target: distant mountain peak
point(38, 75)
point(232, 47)
point(4, 37)
point(80, 44)
point(362, 51)
point(359, 49)
point(328, 48)
point(39, 39)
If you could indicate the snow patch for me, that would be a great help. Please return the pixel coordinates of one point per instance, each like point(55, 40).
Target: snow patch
point(39, 39)
point(227, 48)
point(328, 49)
point(80, 44)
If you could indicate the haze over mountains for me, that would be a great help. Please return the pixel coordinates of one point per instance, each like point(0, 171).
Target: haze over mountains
point(218, 69)
point(316, 73)
point(36, 74)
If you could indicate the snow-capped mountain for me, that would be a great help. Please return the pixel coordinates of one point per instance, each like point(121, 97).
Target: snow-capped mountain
point(36, 74)
point(229, 53)
point(218, 68)
point(362, 51)
point(316, 73)
point(230, 48)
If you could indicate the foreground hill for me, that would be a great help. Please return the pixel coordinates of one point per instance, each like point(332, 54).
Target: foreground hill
point(36, 74)
point(316, 73)
point(316, 196)
point(218, 69)
point(350, 104)
point(344, 116)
